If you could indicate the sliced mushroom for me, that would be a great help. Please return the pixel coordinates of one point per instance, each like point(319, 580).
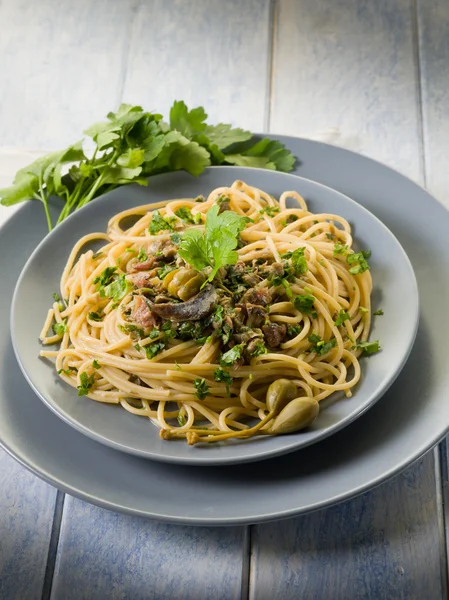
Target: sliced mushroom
point(194, 309)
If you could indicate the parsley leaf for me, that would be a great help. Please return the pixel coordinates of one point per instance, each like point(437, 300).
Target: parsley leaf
point(142, 256)
point(158, 223)
point(259, 348)
point(105, 278)
point(294, 330)
point(86, 384)
point(342, 316)
point(222, 375)
point(379, 312)
point(298, 259)
point(185, 214)
point(60, 328)
point(269, 210)
point(320, 346)
point(96, 364)
point(152, 349)
point(117, 289)
point(94, 316)
point(304, 303)
point(368, 347)
point(359, 260)
point(216, 246)
point(201, 387)
point(231, 356)
point(340, 249)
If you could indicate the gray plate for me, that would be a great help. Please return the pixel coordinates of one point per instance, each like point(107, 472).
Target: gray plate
point(409, 419)
point(393, 279)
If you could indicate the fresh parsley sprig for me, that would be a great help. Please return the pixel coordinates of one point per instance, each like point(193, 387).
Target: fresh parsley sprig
point(134, 144)
point(214, 247)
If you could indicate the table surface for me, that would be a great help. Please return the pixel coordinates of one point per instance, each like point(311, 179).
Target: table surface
point(369, 76)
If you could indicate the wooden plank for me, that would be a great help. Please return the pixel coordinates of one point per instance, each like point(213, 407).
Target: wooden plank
point(433, 32)
point(383, 544)
point(27, 505)
point(106, 555)
point(209, 53)
point(62, 68)
point(213, 54)
point(345, 72)
point(26, 515)
point(433, 29)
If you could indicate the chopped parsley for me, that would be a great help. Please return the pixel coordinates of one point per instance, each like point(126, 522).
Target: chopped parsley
point(117, 289)
point(94, 316)
point(298, 259)
point(379, 312)
point(152, 349)
point(222, 375)
point(86, 384)
point(133, 330)
point(105, 278)
point(330, 236)
point(96, 364)
point(341, 318)
point(359, 260)
point(67, 371)
point(60, 328)
point(363, 310)
point(201, 387)
point(294, 330)
point(231, 356)
point(176, 238)
point(185, 214)
point(320, 346)
point(259, 348)
point(368, 347)
point(340, 249)
point(158, 223)
point(142, 256)
point(181, 419)
point(97, 255)
point(189, 330)
point(270, 210)
point(304, 303)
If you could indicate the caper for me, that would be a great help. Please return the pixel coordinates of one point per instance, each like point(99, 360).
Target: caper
point(298, 414)
point(168, 278)
point(184, 283)
point(191, 287)
point(279, 394)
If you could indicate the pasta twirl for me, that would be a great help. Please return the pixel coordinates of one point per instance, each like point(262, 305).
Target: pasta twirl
point(192, 308)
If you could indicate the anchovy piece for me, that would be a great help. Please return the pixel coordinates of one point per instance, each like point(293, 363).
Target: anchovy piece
point(194, 309)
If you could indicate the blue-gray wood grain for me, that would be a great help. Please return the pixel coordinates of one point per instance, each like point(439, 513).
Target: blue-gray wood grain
point(369, 76)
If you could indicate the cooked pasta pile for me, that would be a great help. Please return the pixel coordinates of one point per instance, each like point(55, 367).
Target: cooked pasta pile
point(190, 313)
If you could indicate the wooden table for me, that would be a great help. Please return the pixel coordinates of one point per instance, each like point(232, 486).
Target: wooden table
point(371, 76)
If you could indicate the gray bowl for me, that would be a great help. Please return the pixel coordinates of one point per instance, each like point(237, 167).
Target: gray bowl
point(393, 278)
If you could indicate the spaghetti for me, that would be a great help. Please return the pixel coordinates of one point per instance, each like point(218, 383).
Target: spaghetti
point(196, 349)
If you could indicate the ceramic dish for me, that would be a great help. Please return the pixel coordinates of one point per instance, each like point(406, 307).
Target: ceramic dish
point(393, 280)
point(407, 421)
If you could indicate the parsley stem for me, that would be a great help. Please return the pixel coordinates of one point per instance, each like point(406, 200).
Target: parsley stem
point(43, 198)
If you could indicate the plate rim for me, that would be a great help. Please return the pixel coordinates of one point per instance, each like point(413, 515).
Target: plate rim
point(247, 456)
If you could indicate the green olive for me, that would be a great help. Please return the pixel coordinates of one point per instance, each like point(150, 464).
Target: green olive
point(191, 287)
point(279, 394)
point(298, 414)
